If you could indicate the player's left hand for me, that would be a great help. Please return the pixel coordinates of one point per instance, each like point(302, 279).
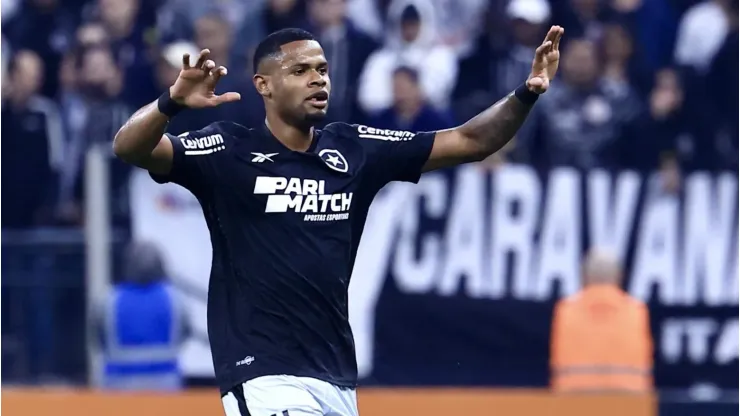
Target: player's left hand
point(546, 60)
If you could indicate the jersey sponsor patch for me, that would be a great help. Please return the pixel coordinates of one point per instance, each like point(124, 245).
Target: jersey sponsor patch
point(202, 145)
point(305, 196)
point(366, 132)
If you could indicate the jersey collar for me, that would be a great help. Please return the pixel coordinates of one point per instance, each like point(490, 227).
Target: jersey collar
point(279, 145)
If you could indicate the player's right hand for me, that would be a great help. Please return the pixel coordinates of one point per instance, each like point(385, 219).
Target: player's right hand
point(195, 86)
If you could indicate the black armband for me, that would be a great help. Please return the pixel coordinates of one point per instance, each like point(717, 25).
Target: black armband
point(168, 106)
point(525, 95)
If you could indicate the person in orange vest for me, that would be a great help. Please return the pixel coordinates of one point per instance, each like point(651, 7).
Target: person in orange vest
point(601, 339)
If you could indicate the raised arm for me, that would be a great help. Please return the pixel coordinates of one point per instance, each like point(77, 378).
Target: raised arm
point(141, 140)
point(490, 130)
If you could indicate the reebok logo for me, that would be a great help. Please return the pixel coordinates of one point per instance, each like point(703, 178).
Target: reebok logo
point(262, 157)
point(203, 145)
point(305, 196)
point(366, 132)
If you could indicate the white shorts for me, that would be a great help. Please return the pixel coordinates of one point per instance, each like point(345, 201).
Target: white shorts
point(290, 396)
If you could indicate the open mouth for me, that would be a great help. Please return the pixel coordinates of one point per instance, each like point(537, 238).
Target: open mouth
point(319, 99)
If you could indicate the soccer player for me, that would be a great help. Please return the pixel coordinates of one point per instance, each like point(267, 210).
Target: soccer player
point(286, 203)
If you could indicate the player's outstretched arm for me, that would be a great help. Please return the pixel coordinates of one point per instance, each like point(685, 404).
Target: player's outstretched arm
point(490, 130)
point(141, 140)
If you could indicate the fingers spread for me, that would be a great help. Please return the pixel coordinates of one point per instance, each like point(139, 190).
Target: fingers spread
point(226, 98)
point(217, 73)
point(202, 58)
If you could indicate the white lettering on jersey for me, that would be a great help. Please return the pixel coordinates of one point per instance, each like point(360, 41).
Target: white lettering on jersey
point(305, 196)
point(366, 132)
point(202, 145)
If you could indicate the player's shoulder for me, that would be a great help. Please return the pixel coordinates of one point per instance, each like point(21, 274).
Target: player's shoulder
point(224, 128)
point(230, 128)
point(368, 134)
point(217, 132)
point(218, 137)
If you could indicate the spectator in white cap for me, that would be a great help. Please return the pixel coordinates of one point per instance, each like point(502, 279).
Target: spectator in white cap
point(533, 11)
point(528, 20)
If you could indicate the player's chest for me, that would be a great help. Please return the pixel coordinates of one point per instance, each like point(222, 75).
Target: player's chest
point(319, 187)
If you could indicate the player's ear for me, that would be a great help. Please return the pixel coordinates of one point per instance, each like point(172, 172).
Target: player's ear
point(261, 84)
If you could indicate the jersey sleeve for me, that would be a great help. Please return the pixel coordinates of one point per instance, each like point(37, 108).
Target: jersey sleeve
point(394, 155)
point(196, 157)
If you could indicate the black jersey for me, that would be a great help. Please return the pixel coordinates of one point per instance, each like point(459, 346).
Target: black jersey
point(285, 227)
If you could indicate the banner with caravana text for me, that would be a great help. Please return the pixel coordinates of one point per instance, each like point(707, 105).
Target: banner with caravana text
point(457, 276)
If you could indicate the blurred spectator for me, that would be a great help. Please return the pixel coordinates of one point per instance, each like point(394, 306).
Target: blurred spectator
point(142, 326)
point(412, 41)
point(702, 30)
point(176, 18)
point(368, 16)
point(669, 132)
point(652, 26)
point(581, 18)
point(601, 339)
point(32, 142)
point(722, 90)
point(92, 34)
point(95, 115)
point(130, 47)
point(212, 31)
point(581, 122)
point(502, 62)
point(679, 141)
point(410, 110)
point(459, 22)
point(8, 9)
point(623, 68)
point(346, 50)
point(272, 15)
point(47, 28)
point(5, 55)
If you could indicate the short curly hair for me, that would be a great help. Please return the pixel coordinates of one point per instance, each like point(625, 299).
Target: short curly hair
point(271, 44)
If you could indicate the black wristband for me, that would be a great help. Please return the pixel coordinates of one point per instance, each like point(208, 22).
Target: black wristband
point(525, 95)
point(168, 106)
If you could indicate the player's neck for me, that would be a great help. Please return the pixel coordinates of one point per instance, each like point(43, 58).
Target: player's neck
point(297, 138)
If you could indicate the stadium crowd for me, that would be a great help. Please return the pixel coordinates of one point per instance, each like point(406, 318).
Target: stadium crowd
point(645, 85)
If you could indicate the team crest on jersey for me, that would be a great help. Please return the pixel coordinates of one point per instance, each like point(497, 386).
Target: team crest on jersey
point(334, 160)
point(304, 196)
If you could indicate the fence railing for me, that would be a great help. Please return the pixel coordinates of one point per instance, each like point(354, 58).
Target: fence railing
point(44, 306)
